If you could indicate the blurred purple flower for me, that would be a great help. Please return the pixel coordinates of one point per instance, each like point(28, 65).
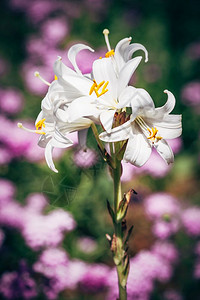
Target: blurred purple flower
point(164, 229)
point(156, 166)
point(54, 30)
point(85, 159)
point(46, 230)
point(95, 278)
point(159, 205)
point(34, 84)
point(86, 244)
point(36, 203)
point(176, 144)
point(191, 220)
point(191, 93)
point(11, 101)
point(5, 155)
point(18, 285)
point(7, 190)
point(166, 250)
point(145, 268)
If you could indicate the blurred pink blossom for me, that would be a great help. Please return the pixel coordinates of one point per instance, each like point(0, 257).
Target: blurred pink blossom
point(54, 30)
point(11, 101)
point(172, 295)
point(7, 190)
point(176, 144)
point(86, 244)
point(191, 93)
point(166, 250)
point(164, 229)
point(159, 205)
point(85, 159)
point(191, 220)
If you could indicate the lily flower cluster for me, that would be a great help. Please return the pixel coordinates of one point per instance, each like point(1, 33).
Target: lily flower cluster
point(76, 101)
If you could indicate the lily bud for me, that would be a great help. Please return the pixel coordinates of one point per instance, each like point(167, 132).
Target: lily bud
point(123, 205)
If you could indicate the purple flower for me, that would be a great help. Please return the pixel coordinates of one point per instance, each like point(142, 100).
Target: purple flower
point(7, 190)
point(164, 229)
point(86, 244)
point(85, 159)
point(11, 101)
point(54, 30)
point(161, 205)
point(191, 93)
point(166, 250)
point(18, 285)
point(95, 278)
point(175, 144)
point(191, 220)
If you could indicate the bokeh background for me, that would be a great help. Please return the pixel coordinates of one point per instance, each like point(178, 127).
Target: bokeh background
point(53, 226)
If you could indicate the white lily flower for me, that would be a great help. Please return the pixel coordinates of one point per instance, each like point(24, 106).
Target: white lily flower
point(148, 127)
point(100, 98)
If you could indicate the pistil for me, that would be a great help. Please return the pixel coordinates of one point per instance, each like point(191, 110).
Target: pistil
point(106, 33)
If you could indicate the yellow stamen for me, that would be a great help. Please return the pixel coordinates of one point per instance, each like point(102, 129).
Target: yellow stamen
point(110, 53)
point(100, 57)
point(55, 77)
point(153, 134)
point(95, 88)
point(40, 124)
point(37, 74)
point(30, 130)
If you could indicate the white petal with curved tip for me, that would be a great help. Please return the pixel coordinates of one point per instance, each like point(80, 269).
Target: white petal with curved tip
point(48, 157)
point(72, 53)
point(167, 107)
point(106, 119)
point(127, 72)
point(138, 149)
point(120, 50)
point(165, 151)
point(119, 133)
point(133, 48)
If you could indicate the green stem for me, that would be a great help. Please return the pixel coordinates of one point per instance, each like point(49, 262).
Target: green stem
point(119, 254)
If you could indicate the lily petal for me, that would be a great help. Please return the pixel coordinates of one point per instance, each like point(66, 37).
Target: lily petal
point(133, 48)
point(103, 70)
point(82, 107)
point(127, 72)
point(138, 149)
point(106, 119)
point(126, 96)
point(48, 156)
point(119, 133)
point(82, 138)
point(120, 50)
point(169, 127)
point(165, 151)
point(141, 102)
point(167, 107)
point(72, 53)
